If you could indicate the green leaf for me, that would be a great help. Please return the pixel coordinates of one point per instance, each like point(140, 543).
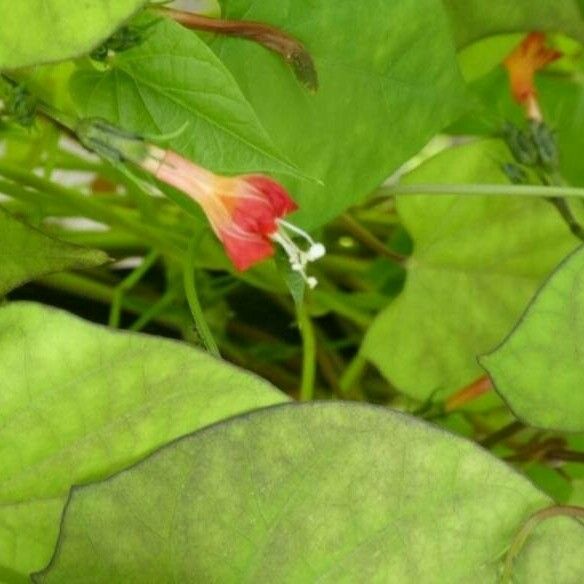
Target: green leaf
point(325, 492)
point(384, 91)
point(171, 79)
point(475, 19)
point(79, 402)
point(28, 253)
point(538, 368)
point(477, 262)
point(35, 32)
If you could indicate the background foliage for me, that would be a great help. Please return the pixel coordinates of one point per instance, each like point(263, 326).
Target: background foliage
point(442, 345)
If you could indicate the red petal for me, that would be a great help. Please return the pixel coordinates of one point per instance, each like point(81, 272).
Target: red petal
point(258, 203)
point(279, 198)
point(245, 251)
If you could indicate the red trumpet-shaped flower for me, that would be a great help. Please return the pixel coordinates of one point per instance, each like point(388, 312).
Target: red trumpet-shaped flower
point(246, 212)
point(522, 64)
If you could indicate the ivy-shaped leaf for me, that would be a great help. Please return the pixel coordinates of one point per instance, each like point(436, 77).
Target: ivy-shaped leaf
point(79, 402)
point(538, 368)
point(327, 492)
point(477, 262)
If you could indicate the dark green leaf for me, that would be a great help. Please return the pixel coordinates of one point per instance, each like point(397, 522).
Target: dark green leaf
point(384, 91)
point(174, 79)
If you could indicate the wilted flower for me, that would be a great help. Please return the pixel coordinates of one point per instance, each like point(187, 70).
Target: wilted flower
point(246, 212)
point(522, 64)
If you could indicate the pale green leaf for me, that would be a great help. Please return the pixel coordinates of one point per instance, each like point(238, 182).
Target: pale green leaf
point(79, 402)
point(477, 262)
point(389, 81)
point(325, 492)
point(41, 31)
point(538, 368)
point(26, 253)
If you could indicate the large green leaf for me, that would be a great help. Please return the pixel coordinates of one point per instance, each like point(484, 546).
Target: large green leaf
point(324, 492)
point(476, 19)
point(79, 402)
point(40, 31)
point(538, 368)
point(174, 79)
point(385, 90)
point(27, 253)
point(477, 262)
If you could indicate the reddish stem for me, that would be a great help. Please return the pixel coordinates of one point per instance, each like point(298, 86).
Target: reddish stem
point(469, 393)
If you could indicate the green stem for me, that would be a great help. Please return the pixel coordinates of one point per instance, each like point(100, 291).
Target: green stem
point(308, 354)
point(94, 209)
point(502, 434)
point(193, 301)
point(88, 288)
point(126, 285)
point(154, 310)
point(369, 240)
point(478, 190)
point(352, 374)
point(527, 529)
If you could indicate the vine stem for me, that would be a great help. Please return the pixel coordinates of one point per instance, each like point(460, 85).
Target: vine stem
point(527, 529)
point(468, 393)
point(126, 285)
point(308, 354)
point(194, 303)
point(93, 209)
point(369, 240)
point(478, 190)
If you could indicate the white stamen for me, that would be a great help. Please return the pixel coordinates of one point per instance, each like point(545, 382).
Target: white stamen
point(296, 230)
point(316, 252)
point(298, 257)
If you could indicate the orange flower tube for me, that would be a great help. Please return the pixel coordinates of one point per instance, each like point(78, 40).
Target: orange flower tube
point(522, 64)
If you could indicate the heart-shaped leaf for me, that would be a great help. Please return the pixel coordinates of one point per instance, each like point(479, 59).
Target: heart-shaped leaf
point(325, 492)
point(384, 91)
point(79, 402)
point(477, 262)
point(538, 368)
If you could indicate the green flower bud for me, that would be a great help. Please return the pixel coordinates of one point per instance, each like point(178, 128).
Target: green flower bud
point(521, 145)
point(545, 141)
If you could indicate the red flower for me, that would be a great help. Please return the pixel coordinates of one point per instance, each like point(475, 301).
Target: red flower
point(246, 212)
point(522, 64)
